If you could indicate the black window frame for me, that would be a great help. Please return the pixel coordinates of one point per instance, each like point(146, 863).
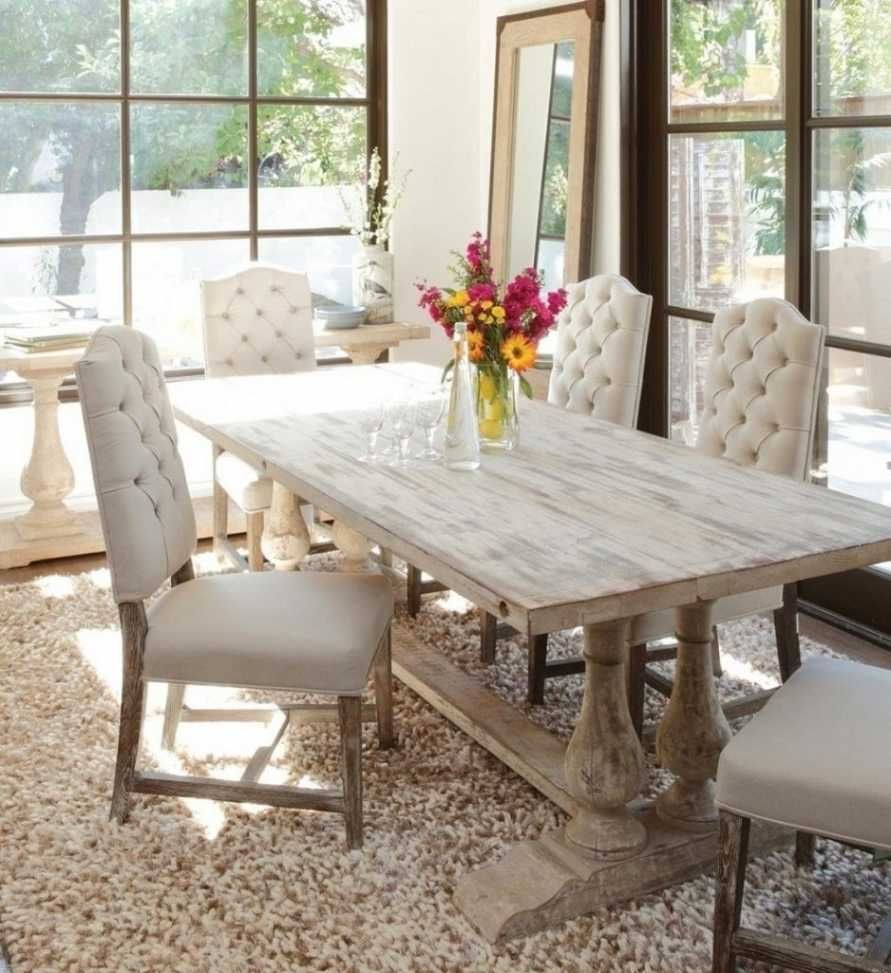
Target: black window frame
point(857, 601)
point(374, 102)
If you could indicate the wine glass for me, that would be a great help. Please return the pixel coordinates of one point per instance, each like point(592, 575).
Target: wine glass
point(371, 419)
point(430, 411)
point(401, 415)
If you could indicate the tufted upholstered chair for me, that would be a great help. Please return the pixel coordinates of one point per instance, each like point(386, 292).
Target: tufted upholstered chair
point(309, 632)
point(598, 370)
point(796, 764)
point(761, 396)
point(601, 345)
point(256, 321)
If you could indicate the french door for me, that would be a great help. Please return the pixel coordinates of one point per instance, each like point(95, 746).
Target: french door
point(763, 168)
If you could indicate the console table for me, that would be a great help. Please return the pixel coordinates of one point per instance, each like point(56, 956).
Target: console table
point(50, 528)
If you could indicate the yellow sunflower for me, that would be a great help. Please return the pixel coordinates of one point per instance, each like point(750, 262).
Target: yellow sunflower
point(518, 352)
point(476, 345)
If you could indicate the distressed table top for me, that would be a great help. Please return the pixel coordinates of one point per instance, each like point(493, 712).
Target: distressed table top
point(584, 522)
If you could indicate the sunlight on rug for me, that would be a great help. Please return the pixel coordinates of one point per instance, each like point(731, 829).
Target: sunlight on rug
point(199, 886)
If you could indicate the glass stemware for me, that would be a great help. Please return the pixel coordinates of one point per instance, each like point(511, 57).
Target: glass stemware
point(430, 411)
point(371, 419)
point(401, 415)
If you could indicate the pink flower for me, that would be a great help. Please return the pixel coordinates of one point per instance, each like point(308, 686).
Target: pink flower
point(482, 292)
point(557, 301)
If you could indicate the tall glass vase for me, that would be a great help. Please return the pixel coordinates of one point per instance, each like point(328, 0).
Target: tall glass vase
point(497, 398)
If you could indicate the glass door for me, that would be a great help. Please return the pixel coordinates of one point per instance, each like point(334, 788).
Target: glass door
point(764, 169)
point(847, 146)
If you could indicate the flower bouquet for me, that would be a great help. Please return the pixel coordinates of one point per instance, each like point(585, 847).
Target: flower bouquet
point(504, 326)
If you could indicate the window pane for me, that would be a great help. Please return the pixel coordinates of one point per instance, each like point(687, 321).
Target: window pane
point(327, 260)
point(41, 285)
point(858, 429)
point(311, 49)
point(189, 168)
point(726, 60)
point(59, 169)
point(689, 349)
point(166, 296)
point(49, 46)
point(852, 232)
point(309, 159)
point(727, 218)
point(189, 47)
point(853, 57)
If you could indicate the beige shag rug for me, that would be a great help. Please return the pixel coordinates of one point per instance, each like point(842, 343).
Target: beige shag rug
point(197, 886)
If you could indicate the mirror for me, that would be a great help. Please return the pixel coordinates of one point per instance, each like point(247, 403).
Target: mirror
point(544, 137)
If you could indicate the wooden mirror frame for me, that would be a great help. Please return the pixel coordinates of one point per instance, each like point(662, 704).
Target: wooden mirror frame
point(581, 23)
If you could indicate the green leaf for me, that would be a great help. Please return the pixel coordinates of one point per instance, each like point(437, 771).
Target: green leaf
point(526, 387)
point(445, 372)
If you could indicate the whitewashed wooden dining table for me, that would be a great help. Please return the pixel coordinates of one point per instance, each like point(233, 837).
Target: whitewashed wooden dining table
point(584, 524)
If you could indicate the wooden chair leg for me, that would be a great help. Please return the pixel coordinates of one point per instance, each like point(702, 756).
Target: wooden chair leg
point(254, 536)
point(716, 653)
point(538, 660)
point(488, 637)
point(805, 849)
point(383, 694)
point(413, 590)
point(350, 713)
point(172, 712)
point(220, 523)
point(733, 849)
point(133, 629)
point(785, 622)
point(637, 670)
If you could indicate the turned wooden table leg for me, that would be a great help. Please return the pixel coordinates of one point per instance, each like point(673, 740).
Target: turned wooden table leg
point(286, 540)
point(48, 478)
point(693, 731)
point(354, 546)
point(605, 766)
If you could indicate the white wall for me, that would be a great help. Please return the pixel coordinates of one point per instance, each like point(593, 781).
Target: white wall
point(442, 81)
point(434, 128)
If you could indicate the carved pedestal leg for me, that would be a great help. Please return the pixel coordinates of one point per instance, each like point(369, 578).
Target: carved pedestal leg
point(693, 731)
point(605, 765)
point(354, 547)
point(286, 540)
point(48, 477)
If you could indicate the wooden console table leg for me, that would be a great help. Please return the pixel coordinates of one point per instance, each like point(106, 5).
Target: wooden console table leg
point(286, 540)
point(48, 477)
point(364, 354)
point(605, 765)
point(694, 730)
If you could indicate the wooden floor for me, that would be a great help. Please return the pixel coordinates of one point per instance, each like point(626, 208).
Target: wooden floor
point(851, 646)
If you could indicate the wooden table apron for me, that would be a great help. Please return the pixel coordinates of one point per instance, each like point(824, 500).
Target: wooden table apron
point(585, 524)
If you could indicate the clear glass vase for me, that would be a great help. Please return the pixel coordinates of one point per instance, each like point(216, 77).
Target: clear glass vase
point(497, 415)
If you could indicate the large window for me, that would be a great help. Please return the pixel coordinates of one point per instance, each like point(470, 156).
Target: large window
point(148, 144)
point(768, 173)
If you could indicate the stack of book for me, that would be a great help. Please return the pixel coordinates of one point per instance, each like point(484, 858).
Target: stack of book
point(58, 338)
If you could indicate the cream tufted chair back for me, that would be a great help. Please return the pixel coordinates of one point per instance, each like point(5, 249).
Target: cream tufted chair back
point(601, 343)
point(144, 504)
point(761, 392)
point(258, 320)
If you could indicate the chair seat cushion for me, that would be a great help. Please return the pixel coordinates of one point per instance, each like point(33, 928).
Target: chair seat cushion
point(307, 631)
point(248, 488)
point(817, 757)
